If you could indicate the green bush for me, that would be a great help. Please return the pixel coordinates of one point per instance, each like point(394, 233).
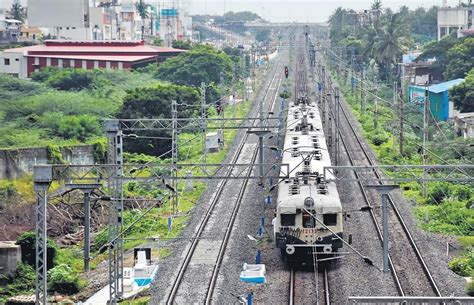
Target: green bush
point(21, 282)
point(379, 138)
point(470, 287)
point(63, 279)
point(70, 79)
point(80, 127)
point(463, 266)
point(28, 249)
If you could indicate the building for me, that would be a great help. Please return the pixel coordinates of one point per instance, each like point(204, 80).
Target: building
point(440, 105)
point(417, 73)
point(9, 29)
point(454, 19)
point(22, 62)
point(464, 123)
point(30, 34)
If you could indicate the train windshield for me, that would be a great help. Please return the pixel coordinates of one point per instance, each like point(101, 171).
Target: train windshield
point(287, 220)
point(308, 220)
point(330, 219)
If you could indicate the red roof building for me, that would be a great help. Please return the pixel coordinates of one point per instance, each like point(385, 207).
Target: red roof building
point(22, 62)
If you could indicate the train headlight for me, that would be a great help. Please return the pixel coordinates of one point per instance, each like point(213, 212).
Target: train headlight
point(290, 250)
point(309, 202)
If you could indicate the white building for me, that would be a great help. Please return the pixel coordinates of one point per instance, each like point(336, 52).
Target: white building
point(454, 19)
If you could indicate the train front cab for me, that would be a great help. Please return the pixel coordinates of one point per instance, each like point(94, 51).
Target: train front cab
point(299, 235)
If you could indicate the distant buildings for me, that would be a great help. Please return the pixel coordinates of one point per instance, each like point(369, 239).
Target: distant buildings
point(111, 20)
point(9, 29)
point(22, 62)
point(441, 106)
point(457, 19)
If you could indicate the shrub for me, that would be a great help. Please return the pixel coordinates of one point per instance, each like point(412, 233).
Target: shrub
point(63, 279)
point(28, 250)
point(462, 265)
point(470, 287)
point(80, 127)
point(379, 138)
point(70, 79)
point(21, 282)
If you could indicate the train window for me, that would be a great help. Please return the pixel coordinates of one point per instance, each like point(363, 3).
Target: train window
point(287, 220)
point(308, 220)
point(330, 219)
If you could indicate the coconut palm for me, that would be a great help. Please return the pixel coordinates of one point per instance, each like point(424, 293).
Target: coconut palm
point(142, 9)
point(17, 11)
point(390, 44)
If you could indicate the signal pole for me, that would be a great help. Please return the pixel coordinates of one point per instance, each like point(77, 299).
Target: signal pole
point(338, 106)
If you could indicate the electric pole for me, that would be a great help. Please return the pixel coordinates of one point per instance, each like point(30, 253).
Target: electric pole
point(363, 98)
point(426, 109)
point(338, 106)
point(400, 106)
point(203, 117)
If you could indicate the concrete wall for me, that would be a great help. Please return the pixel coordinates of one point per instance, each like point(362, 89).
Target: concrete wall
point(16, 162)
point(10, 256)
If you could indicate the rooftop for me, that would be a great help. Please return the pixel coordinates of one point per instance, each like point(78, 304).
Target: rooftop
point(441, 87)
point(114, 46)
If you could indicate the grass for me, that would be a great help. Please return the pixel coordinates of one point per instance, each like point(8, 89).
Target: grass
point(448, 207)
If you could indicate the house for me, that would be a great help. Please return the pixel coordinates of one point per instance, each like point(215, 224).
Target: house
point(440, 105)
point(417, 73)
point(30, 34)
point(22, 62)
point(464, 123)
point(9, 29)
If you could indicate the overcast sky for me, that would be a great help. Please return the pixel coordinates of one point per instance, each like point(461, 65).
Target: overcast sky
point(299, 10)
point(285, 10)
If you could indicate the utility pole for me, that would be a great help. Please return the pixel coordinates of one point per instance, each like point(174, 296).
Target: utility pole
point(352, 70)
point(402, 117)
point(174, 155)
point(376, 110)
point(363, 97)
point(426, 109)
point(338, 106)
point(203, 117)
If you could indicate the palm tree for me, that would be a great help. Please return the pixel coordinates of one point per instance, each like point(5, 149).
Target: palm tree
point(390, 44)
point(17, 12)
point(377, 7)
point(142, 9)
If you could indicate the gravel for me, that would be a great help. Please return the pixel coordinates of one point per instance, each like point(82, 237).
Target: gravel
point(169, 266)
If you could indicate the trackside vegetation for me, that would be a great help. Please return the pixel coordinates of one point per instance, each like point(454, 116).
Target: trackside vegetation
point(448, 208)
point(62, 107)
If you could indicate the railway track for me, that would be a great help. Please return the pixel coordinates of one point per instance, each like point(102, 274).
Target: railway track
point(405, 252)
point(304, 288)
point(188, 275)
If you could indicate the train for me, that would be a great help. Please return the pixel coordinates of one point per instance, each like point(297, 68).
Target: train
point(308, 225)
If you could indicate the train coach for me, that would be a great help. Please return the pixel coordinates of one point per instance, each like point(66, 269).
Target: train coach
point(309, 221)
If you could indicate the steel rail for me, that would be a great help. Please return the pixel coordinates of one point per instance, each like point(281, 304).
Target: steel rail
point(291, 290)
point(327, 298)
point(189, 254)
point(394, 207)
point(230, 225)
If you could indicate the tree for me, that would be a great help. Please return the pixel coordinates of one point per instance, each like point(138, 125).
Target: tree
point(182, 44)
point(28, 249)
point(155, 102)
point(460, 59)
point(202, 63)
point(391, 43)
point(142, 9)
point(462, 95)
point(17, 11)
